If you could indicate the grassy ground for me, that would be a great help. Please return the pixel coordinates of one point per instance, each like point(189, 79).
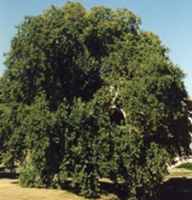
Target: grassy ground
point(10, 190)
point(185, 166)
point(177, 186)
point(179, 172)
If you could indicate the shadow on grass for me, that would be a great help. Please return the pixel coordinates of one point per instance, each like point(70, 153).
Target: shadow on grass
point(8, 175)
point(107, 189)
point(67, 185)
point(114, 190)
point(173, 189)
point(177, 189)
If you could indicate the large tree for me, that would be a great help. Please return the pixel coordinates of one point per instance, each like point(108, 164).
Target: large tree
point(88, 94)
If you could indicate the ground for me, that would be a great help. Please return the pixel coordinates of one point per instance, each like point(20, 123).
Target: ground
point(177, 186)
point(10, 190)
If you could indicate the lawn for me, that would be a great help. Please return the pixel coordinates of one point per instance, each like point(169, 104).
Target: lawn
point(183, 170)
point(187, 166)
point(179, 172)
point(177, 186)
point(10, 190)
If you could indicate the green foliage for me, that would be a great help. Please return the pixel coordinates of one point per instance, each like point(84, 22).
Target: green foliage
point(138, 167)
point(12, 135)
point(70, 74)
point(28, 177)
point(187, 166)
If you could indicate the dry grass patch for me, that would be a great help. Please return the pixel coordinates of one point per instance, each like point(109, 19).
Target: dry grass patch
point(10, 190)
point(179, 172)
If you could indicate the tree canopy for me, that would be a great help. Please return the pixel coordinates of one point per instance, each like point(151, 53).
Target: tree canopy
point(88, 94)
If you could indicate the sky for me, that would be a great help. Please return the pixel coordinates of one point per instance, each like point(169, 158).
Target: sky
point(170, 19)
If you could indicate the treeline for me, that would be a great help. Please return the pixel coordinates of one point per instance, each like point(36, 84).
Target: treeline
point(88, 94)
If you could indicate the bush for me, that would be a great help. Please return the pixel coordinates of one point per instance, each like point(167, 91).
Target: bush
point(138, 168)
point(29, 177)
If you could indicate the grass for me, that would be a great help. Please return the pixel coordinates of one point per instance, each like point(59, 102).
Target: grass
point(177, 186)
point(179, 172)
point(187, 166)
point(9, 189)
point(183, 170)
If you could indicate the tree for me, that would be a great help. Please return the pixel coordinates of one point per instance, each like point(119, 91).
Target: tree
point(70, 74)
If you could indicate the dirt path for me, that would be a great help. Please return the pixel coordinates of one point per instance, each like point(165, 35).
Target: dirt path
point(10, 190)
